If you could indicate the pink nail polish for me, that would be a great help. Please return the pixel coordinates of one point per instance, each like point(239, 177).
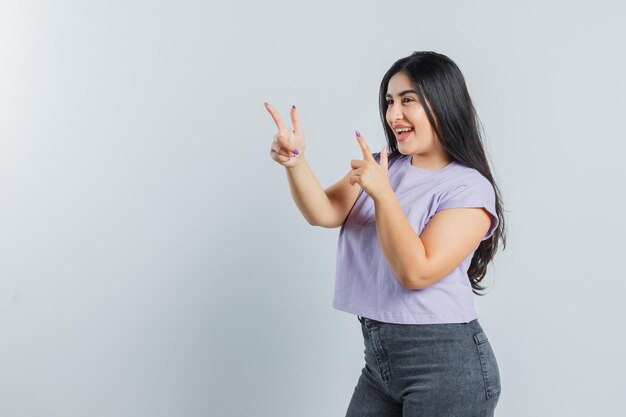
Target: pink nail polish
point(357, 133)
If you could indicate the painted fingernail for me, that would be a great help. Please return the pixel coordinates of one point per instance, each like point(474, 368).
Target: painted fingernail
point(293, 107)
point(357, 133)
point(296, 151)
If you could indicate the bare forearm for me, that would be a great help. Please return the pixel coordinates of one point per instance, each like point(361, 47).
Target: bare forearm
point(400, 244)
point(308, 194)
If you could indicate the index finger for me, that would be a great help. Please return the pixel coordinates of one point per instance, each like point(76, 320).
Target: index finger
point(367, 155)
point(276, 117)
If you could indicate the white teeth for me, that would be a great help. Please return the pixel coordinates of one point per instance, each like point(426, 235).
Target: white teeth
point(404, 129)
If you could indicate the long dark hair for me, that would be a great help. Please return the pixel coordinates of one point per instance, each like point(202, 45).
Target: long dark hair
point(438, 80)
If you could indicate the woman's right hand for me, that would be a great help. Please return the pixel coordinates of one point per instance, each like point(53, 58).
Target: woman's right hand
point(288, 146)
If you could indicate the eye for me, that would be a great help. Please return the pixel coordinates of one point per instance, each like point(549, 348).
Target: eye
point(405, 99)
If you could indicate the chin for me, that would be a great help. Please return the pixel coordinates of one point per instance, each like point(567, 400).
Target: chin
point(403, 148)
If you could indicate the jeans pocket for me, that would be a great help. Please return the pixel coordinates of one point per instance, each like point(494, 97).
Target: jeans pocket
point(489, 365)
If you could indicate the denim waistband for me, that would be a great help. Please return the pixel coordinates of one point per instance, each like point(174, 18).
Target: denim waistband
point(365, 321)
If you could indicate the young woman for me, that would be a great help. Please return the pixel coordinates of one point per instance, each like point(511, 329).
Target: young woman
point(419, 224)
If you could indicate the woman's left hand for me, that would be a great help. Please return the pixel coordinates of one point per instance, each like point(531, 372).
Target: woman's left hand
point(371, 176)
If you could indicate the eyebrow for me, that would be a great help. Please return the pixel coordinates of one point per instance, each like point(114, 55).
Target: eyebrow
point(405, 92)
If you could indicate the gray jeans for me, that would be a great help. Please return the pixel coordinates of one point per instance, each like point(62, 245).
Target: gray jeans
point(426, 370)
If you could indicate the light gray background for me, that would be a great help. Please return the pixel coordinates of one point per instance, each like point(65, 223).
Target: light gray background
point(153, 263)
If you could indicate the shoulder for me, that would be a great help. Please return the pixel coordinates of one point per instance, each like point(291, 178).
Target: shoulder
point(467, 174)
point(470, 189)
point(464, 176)
point(469, 185)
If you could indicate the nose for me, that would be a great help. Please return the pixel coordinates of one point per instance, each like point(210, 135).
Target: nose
point(394, 113)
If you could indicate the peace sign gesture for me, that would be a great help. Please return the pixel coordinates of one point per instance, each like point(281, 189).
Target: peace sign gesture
point(370, 175)
point(288, 146)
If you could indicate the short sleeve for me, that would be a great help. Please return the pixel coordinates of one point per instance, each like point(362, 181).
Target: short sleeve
point(476, 194)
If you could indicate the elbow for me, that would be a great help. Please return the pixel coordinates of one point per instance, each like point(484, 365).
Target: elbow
point(414, 282)
point(321, 224)
point(411, 277)
point(311, 222)
point(327, 224)
point(421, 275)
point(418, 281)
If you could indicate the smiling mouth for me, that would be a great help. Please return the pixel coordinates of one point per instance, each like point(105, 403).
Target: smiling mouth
point(403, 135)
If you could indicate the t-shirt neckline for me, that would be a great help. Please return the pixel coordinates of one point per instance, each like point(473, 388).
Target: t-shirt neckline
point(427, 171)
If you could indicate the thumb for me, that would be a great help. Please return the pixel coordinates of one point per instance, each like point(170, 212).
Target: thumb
point(383, 158)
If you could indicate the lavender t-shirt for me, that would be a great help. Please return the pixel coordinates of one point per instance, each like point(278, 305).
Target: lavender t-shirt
point(364, 282)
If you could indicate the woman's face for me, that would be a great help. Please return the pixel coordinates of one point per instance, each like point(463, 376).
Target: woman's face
point(404, 110)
